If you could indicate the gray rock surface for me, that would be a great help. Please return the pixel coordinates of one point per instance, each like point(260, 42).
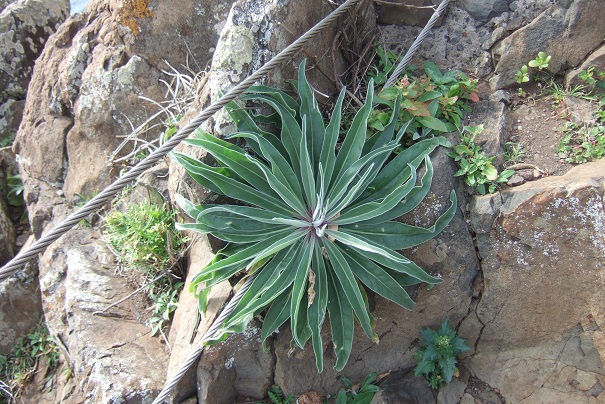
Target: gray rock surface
point(542, 247)
point(483, 10)
point(20, 307)
point(87, 83)
point(595, 60)
point(111, 353)
point(492, 113)
point(8, 167)
point(551, 32)
point(407, 12)
point(184, 335)
point(90, 77)
point(25, 26)
point(238, 366)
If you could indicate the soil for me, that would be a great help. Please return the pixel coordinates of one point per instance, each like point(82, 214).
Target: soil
point(535, 123)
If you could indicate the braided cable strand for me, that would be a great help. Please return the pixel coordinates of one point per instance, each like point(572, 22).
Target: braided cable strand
point(410, 53)
point(199, 348)
point(108, 193)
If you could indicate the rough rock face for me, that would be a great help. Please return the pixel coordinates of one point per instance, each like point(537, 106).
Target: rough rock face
point(483, 10)
point(595, 60)
point(91, 75)
point(20, 307)
point(87, 84)
point(25, 26)
point(543, 249)
point(8, 167)
point(407, 12)
point(183, 333)
point(237, 366)
point(578, 22)
point(112, 352)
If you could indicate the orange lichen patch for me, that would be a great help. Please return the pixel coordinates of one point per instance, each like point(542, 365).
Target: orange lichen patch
point(132, 11)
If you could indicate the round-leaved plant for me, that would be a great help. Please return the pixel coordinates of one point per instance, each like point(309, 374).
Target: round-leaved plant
point(315, 223)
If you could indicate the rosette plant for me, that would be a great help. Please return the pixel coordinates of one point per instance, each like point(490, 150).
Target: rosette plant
point(315, 217)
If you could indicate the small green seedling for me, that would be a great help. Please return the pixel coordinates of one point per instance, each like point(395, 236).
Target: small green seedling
point(582, 144)
point(276, 396)
point(540, 62)
point(513, 153)
point(475, 166)
point(438, 358)
point(165, 301)
point(362, 394)
point(522, 76)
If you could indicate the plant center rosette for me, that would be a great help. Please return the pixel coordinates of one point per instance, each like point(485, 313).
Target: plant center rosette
point(315, 223)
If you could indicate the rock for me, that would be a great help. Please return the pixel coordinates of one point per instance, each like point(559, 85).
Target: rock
point(20, 307)
point(25, 26)
point(184, 336)
point(237, 366)
point(580, 111)
point(4, 3)
point(550, 32)
point(111, 352)
point(451, 393)
point(493, 115)
point(484, 10)
point(407, 12)
point(403, 387)
point(9, 215)
point(595, 60)
point(255, 32)
point(456, 44)
point(542, 260)
point(88, 83)
point(7, 235)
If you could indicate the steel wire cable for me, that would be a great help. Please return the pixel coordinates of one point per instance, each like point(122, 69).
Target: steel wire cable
point(108, 193)
point(416, 44)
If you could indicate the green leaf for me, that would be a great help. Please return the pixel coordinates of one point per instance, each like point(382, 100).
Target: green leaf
point(398, 236)
point(306, 171)
point(271, 280)
point(412, 200)
point(349, 285)
point(231, 187)
point(285, 192)
point(234, 263)
point(351, 148)
point(327, 158)
point(373, 209)
point(433, 71)
point(408, 268)
point(398, 170)
point(429, 95)
point(278, 160)
point(432, 123)
point(311, 117)
point(316, 311)
point(376, 278)
point(341, 321)
point(490, 172)
point(291, 132)
point(299, 289)
point(278, 313)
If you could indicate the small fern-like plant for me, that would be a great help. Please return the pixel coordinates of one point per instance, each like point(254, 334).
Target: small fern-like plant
point(315, 223)
point(438, 358)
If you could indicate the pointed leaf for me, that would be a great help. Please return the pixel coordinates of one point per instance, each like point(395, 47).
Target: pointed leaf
point(341, 321)
point(349, 285)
